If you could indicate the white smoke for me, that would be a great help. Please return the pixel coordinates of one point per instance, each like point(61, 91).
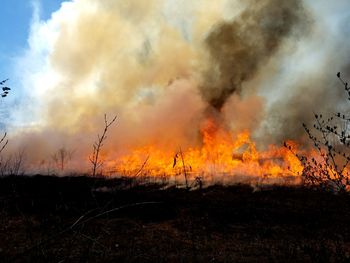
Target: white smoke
point(142, 61)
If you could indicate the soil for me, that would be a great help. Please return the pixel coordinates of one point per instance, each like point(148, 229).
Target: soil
point(84, 219)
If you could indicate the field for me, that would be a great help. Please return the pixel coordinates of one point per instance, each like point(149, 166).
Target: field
point(84, 219)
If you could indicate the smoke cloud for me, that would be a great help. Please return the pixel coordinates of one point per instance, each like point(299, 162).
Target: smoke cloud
point(238, 48)
point(160, 64)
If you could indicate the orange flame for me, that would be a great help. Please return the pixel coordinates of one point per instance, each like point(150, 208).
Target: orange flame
point(220, 154)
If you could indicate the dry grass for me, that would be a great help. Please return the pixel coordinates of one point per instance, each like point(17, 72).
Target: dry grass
point(39, 215)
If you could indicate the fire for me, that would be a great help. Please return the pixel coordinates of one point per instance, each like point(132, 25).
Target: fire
point(221, 154)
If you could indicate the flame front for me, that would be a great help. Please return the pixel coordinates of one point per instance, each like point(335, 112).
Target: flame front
point(221, 155)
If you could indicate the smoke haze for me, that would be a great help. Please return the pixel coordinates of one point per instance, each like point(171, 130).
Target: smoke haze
point(238, 48)
point(159, 65)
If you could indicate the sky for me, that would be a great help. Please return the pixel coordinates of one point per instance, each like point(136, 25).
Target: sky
point(15, 20)
point(15, 23)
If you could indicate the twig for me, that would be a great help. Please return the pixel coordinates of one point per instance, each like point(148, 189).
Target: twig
point(142, 166)
point(184, 168)
point(95, 157)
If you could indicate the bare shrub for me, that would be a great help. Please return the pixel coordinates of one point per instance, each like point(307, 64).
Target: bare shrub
point(180, 155)
point(330, 135)
point(12, 164)
point(61, 158)
point(3, 141)
point(94, 158)
point(17, 164)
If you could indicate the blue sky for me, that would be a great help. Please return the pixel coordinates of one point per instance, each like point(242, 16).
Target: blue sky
point(15, 22)
point(14, 28)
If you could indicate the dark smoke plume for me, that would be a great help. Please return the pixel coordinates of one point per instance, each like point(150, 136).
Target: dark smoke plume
point(240, 47)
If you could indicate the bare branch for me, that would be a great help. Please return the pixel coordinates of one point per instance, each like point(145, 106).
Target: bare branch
point(95, 156)
point(330, 169)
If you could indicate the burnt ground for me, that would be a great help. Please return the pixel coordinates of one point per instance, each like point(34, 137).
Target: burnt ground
point(52, 219)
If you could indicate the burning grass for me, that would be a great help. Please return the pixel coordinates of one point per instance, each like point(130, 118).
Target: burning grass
point(221, 157)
